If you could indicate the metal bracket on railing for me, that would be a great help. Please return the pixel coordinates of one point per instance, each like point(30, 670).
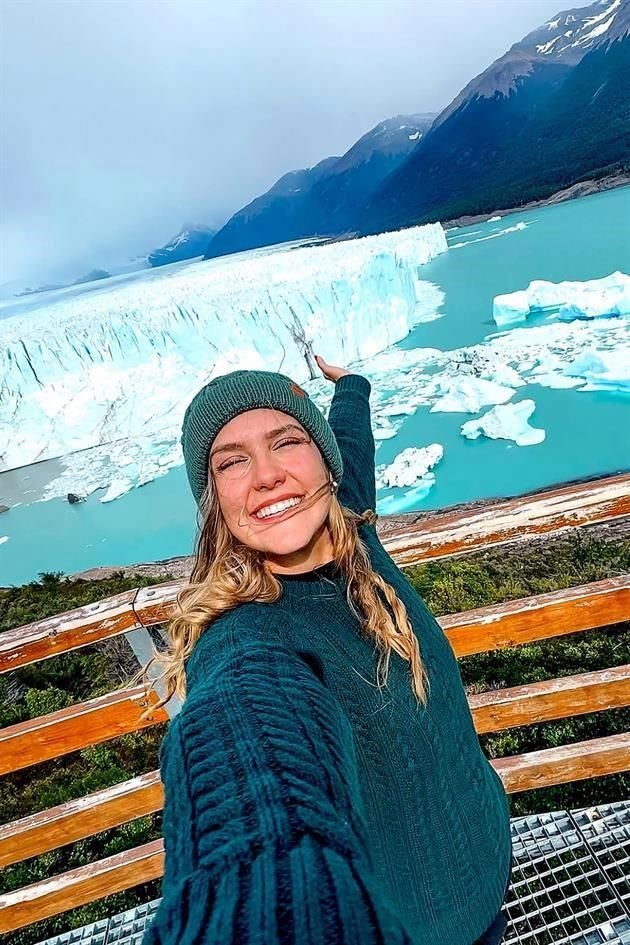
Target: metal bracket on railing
point(141, 643)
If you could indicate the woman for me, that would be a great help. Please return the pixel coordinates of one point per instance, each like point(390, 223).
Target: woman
point(324, 782)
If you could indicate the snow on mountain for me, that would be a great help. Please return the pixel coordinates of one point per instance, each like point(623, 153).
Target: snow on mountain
point(565, 40)
point(549, 113)
point(192, 241)
point(117, 368)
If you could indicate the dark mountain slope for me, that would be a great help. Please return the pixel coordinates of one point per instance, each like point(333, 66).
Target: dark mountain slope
point(543, 116)
point(322, 200)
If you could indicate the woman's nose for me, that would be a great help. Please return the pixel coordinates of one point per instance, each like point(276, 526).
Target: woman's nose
point(267, 471)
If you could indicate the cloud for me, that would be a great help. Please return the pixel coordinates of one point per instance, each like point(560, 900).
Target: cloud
point(123, 118)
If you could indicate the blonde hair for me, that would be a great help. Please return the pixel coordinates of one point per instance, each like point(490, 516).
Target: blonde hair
point(227, 573)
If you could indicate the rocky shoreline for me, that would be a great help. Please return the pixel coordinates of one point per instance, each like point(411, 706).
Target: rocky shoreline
point(583, 188)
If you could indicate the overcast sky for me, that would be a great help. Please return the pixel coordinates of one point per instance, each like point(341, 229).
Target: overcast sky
point(121, 119)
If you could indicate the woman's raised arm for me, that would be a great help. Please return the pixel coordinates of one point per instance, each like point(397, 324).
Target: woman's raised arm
point(264, 834)
point(351, 422)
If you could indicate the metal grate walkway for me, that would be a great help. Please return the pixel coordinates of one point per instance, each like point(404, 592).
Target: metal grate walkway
point(570, 884)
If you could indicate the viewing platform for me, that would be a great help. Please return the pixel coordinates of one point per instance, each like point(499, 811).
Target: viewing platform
point(570, 883)
point(571, 880)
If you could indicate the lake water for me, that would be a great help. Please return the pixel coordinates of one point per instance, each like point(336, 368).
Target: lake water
point(587, 432)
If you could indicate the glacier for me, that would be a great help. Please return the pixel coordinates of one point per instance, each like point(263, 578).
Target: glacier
point(596, 298)
point(506, 422)
point(115, 370)
point(102, 378)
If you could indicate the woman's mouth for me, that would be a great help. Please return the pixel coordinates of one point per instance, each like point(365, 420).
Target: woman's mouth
point(277, 510)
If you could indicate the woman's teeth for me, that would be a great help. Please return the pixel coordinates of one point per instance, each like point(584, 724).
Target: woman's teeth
point(277, 508)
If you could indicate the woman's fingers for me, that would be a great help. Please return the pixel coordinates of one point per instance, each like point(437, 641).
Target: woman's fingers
point(330, 371)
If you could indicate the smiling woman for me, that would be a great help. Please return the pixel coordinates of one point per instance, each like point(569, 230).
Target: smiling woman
point(272, 489)
point(324, 782)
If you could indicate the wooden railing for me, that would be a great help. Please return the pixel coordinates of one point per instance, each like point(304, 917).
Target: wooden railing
point(603, 603)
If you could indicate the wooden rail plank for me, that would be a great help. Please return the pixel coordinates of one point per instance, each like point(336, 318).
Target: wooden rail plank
point(155, 604)
point(76, 727)
point(561, 698)
point(517, 519)
point(576, 762)
point(570, 610)
point(541, 617)
point(441, 535)
point(81, 885)
point(600, 756)
point(492, 711)
point(67, 631)
point(74, 820)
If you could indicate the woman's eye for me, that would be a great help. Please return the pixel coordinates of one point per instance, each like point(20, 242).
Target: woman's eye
point(234, 460)
point(230, 462)
point(291, 439)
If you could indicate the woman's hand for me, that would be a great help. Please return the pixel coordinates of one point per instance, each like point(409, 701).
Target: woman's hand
point(329, 371)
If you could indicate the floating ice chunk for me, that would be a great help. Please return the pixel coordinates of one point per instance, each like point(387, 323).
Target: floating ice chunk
point(3, 538)
point(407, 500)
point(521, 225)
point(557, 381)
point(609, 296)
point(592, 302)
point(117, 488)
point(504, 374)
point(506, 422)
point(468, 394)
point(511, 308)
point(384, 431)
point(411, 465)
point(602, 369)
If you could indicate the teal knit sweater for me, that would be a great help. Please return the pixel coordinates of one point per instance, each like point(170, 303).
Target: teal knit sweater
point(303, 806)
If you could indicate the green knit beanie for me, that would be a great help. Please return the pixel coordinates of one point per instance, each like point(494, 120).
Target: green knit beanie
point(229, 395)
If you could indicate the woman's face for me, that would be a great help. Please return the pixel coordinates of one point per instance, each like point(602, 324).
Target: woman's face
point(259, 459)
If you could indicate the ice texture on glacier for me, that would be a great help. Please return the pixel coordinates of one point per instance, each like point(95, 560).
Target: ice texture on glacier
point(116, 369)
point(597, 298)
point(506, 422)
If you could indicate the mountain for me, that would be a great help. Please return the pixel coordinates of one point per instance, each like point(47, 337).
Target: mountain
point(191, 241)
point(551, 111)
point(94, 275)
point(323, 200)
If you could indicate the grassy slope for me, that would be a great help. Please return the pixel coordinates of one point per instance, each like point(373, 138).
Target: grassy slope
point(448, 586)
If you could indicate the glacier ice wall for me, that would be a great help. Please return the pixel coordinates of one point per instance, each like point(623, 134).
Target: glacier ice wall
point(120, 365)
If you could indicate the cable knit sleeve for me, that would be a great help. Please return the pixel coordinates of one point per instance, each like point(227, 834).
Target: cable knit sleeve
point(350, 419)
point(275, 850)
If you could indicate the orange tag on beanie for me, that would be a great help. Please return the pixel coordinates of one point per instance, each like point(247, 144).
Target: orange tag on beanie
point(297, 390)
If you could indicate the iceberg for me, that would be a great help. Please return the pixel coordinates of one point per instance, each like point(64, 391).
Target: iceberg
point(506, 422)
point(468, 394)
point(603, 370)
point(597, 298)
point(411, 465)
point(411, 471)
point(114, 368)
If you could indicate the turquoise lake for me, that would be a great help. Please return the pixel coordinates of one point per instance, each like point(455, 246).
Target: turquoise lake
point(587, 432)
